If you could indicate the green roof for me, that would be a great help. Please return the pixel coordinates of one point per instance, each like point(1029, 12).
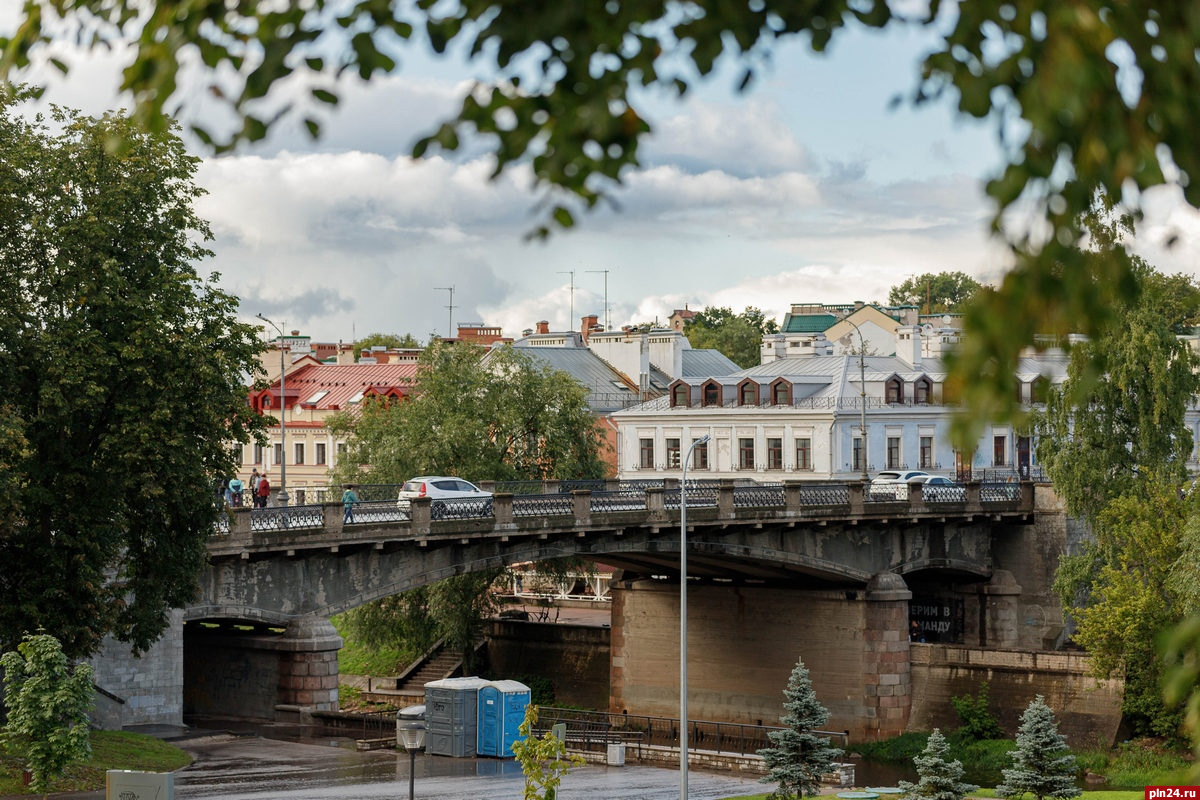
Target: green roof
point(807, 323)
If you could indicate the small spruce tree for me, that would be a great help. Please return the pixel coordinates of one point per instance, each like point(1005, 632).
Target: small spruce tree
point(1042, 764)
point(799, 757)
point(938, 779)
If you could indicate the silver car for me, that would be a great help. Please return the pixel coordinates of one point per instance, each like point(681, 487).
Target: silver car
point(451, 497)
point(893, 484)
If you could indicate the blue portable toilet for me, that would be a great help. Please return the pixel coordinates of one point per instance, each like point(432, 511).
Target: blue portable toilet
point(502, 707)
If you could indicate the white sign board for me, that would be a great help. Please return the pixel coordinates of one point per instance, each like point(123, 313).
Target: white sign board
point(130, 785)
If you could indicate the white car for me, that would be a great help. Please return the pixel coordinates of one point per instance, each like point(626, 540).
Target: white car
point(893, 484)
point(939, 489)
point(451, 497)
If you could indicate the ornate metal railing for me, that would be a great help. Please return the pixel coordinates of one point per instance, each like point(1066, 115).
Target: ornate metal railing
point(282, 518)
point(544, 505)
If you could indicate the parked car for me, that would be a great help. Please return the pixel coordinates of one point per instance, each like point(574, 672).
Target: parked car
point(893, 484)
point(451, 497)
point(939, 489)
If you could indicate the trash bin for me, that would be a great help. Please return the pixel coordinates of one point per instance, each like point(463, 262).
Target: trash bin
point(121, 784)
point(616, 754)
point(405, 715)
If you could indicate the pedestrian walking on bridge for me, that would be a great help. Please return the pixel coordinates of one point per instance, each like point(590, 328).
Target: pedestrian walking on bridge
point(349, 501)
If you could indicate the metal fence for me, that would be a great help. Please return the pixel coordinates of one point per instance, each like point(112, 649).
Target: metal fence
point(594, 730)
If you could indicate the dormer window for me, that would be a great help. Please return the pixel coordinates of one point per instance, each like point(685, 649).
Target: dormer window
point(894, 389)
point(679, 395)
point(781, 393)
point(1039, 389)
point(922, 390)
point(711, 394)
point(748, 394)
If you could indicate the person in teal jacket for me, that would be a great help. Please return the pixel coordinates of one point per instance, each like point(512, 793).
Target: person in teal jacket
point(349, 501)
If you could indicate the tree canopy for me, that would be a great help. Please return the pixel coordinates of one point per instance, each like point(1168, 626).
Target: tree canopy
point(391, 340)
point(1084, 97)
point(737, 336)
point(935, 293)
point(506, 417)
point(122, 378)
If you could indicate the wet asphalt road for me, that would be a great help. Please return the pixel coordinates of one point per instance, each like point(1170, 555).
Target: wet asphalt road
point(238, 767)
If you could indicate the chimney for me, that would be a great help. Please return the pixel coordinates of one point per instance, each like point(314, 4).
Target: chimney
point(644, 368)
point(588, 325)
point(908, 344)
point(543, 326)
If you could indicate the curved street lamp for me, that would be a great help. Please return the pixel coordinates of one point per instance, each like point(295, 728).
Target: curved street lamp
point(683, 679)
point(283, 495)
point(862, 385)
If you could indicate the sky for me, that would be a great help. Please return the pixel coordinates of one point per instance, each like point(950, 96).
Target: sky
point(809, 188)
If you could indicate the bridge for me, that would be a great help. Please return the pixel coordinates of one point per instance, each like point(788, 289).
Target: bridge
point(819, 569)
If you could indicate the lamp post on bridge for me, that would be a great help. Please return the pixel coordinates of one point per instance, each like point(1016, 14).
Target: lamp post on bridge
point(283, 495)
point(862, 386)
point(683, 679)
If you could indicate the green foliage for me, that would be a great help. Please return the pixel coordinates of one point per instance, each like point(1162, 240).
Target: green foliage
point(737, 336)
point(935, 293)
point(1042, 764)
point(543, 760)
point(48, 704)
point(939, 779)
point(566, 77)
point(503, 417)
point(389, 340)
point(110, 750)
point(975, 714)
point(122, 378)
point(799, 757)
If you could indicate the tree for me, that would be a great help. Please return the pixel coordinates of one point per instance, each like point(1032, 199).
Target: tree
point(737, 336)
point(1042, 764)
point(48, 705)
point(935, 293)
point(504, 418)
point(389, 340)
point(562, 101)
point(543, 760)
point(799, 757)
point(938, 779)
point(122, 378)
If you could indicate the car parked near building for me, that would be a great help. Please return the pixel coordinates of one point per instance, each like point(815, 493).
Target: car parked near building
point(893, 484)
point(449, 496)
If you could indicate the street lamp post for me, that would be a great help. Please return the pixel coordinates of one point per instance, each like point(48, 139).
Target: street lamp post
point(412, 736)
point(683, 679)
point(862, 385)
point(283, 495)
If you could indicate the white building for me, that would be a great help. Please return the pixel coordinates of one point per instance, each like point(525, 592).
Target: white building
point(797, 417)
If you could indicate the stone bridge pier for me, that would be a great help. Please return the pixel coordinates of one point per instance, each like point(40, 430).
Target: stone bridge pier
point(232, 670)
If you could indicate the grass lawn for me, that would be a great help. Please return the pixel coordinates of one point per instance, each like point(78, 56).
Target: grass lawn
point(110, 750)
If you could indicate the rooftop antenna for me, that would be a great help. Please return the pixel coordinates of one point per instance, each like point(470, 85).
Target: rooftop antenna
point(607, 326)
point(450, 321)
point(571, 272)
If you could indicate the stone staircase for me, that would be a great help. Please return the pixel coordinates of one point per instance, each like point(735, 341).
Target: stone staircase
point(437, 664)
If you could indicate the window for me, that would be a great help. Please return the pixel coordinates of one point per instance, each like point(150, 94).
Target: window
point(258, 454)
point(712, 394)
point(679, 395)
point(267, 401)
point(299, 452)
point(857, 455)
point(1038, 389)
point(341, 450)
point(320, 453)
point(926, 452)
point(277, 456)
point(804, 454)
point(672, 454)
point(781, 394)
point(893, 452)
point(999, 451)
point(646, 461)
point(745, 454)
point(748, 394)
point(922, 390)
point(774, 453)
point(700, 456)
point(895, 390)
